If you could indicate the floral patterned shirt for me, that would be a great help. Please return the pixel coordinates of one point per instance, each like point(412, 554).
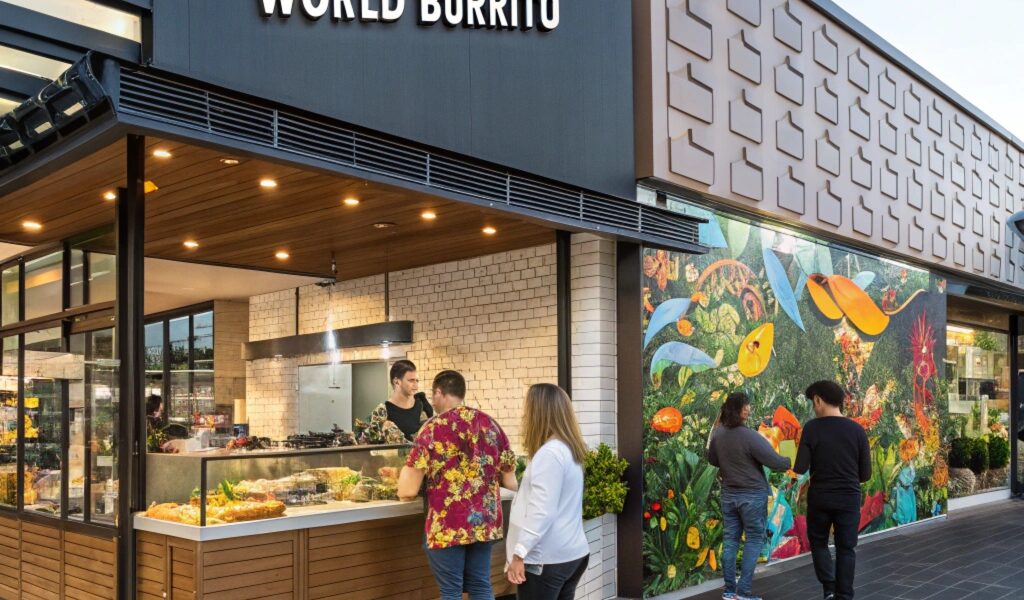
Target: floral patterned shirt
point(463, 454)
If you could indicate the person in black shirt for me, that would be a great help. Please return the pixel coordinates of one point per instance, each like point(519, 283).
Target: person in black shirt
point(835, 450)
point(406, 408)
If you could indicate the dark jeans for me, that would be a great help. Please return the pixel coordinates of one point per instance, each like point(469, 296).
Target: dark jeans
point(556, 582)
point(841, 514)
point(463, 568)
point(744, 512)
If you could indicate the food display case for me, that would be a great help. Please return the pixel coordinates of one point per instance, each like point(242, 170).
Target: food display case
point(266, 484)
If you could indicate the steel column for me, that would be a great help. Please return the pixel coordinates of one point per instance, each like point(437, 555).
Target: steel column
point(130, 343)
point(563, 298)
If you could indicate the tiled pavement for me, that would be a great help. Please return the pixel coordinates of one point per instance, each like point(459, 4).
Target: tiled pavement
point(977, 554)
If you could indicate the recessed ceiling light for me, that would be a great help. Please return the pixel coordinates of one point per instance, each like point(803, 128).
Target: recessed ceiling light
point(383, 225)
point(351, 201)
point(161, 154)
point(230, 162)
point(282, 255)
point(268, 184)
point(110, 196)
point(429, 215)
point(490, 230)
point(31, 226)
point(191, 244)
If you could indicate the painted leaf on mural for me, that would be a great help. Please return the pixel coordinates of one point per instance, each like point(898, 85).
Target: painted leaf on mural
point(864, 279)
point(680, 354)
point(667, 313)
point(777, 278)
point(737, 235)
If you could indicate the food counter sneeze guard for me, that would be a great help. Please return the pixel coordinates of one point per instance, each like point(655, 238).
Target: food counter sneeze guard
point(249, 486)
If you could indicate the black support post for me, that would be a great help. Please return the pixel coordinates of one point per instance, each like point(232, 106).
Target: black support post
point(130, 342)
point(1016, 402)
point(563, 268)
point(628, 302)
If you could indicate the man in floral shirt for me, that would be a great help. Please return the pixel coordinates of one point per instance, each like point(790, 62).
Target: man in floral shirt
point(464, 457)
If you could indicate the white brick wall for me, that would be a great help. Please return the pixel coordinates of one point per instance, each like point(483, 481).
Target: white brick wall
point(594, 387)
point(494, 318)
point(272, 315)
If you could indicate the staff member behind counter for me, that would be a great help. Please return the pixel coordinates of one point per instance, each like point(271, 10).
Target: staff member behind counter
point(406, 408)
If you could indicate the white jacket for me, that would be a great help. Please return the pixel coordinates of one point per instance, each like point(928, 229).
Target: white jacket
point(546, 520)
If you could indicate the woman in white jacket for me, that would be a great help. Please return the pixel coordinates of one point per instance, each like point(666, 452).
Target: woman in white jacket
point(547, 551)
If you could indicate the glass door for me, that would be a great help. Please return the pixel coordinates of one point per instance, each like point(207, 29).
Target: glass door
point(45, 402)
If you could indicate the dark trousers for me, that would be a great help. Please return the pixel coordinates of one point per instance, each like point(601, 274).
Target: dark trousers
point(556, 582)
point(839, 513)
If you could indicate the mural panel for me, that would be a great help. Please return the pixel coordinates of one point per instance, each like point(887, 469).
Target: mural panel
point(767, 312)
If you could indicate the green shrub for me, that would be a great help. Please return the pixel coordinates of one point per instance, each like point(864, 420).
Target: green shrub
point(979, 456)
point(604, 490)
point(998, 452)
point(960, 453)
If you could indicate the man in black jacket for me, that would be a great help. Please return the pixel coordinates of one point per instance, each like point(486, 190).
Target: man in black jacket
point(836, 451)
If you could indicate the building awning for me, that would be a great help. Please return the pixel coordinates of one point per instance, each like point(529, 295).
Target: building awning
point(97, 93)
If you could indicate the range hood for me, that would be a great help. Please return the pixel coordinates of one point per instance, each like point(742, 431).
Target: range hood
point(376, 334)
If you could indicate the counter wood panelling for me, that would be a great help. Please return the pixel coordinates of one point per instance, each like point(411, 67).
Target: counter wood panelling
point(371, 560)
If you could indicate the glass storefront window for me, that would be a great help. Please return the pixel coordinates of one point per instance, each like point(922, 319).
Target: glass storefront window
point(76, 283)
point(93, 424)
point(88, 14)
point(102, 277)
point(9, 291)
point(9, 422)
point(43, 286)
point(978, 376)
point(46, 368)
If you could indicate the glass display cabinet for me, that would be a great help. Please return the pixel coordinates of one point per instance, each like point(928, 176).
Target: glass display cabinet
point(254, 485)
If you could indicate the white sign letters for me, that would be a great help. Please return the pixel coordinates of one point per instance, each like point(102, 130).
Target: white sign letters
point(505, 15)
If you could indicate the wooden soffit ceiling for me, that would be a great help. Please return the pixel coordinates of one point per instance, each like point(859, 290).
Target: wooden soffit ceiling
point(238, 222)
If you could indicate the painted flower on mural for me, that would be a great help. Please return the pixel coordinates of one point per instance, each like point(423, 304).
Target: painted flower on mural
point(940, 473)
point(874, 506)
point(908, 450)
point(922, 345)
point(691, 273)
point(662, 268)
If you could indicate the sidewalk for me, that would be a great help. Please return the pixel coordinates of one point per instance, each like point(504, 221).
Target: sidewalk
point(977, 554)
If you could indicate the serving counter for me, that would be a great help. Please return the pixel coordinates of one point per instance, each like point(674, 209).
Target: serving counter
point(320, 547)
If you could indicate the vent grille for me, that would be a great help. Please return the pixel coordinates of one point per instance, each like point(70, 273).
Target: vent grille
point(154, 97)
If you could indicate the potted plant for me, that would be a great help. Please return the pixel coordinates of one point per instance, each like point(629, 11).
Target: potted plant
point(962, 480)
point(604, 489)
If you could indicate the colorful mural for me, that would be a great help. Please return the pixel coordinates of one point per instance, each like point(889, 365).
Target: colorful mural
point(768, 313)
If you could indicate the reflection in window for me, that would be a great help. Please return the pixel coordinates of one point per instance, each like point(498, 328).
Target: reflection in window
point(978, 373)
point(102, 277)
point(9, 296)
point(46, 365)
point(43, 286)
point(9, 422)
point(92, 452)
point(89, 14)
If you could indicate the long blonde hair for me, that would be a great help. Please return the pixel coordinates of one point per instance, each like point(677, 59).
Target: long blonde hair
point(548, 414)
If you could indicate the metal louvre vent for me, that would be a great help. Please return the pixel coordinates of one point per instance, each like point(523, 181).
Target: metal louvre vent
point(168, 101)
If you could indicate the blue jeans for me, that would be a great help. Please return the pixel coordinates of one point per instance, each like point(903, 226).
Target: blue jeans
point(463, 568)
point(744, 512)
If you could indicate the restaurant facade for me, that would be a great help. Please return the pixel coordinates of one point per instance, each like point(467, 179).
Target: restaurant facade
point(223, 220)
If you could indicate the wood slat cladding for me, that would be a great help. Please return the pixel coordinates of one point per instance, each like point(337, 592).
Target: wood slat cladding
point(10, 558)
point(371, 560)
point(237, 222)
point(257, 567)
point(42, 562)
point(90, 566)
point(151, 565)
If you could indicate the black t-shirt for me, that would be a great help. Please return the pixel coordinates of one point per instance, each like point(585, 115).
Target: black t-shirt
point(836, 451)
point(409, 420)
